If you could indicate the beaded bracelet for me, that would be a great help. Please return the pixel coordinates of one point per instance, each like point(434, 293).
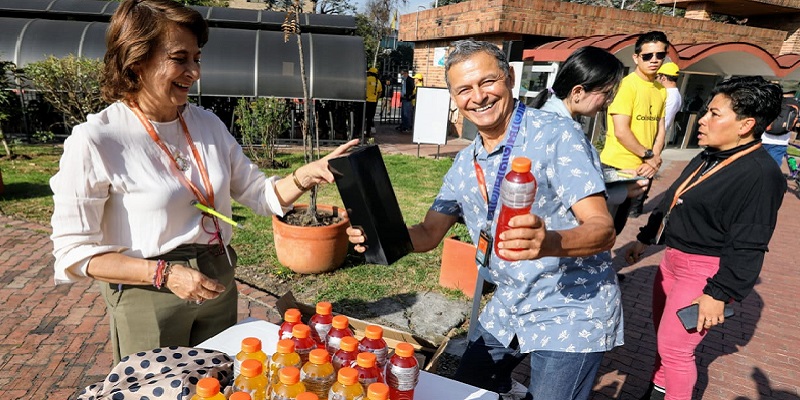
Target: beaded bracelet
point(162, 272)
point(297, 182)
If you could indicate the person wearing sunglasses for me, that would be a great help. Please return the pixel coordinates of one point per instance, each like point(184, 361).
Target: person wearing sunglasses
point(635, 121)
point(140, 181)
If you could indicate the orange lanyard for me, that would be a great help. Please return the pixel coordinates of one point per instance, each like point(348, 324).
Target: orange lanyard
point(208, 202)
point(683, 188)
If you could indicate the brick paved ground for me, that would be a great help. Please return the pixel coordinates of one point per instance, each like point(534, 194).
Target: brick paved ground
point(54, 339)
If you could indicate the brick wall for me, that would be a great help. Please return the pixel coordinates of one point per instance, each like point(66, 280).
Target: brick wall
point(556, 19)
point(788, 23)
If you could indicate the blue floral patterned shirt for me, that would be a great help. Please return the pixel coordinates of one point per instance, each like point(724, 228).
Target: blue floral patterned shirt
point(569, 304)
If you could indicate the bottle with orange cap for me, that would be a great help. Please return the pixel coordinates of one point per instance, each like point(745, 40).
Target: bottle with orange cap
point(252, 379)
point(318, 374)
point(291, 317)
point(402, 372)
point(347, 353)
point(373, 342)
point(308, 396)
point(284, 356)
point(207, 389)
point(368, 371)
point(346, 386)
point(320, 323)
point(288, 386)
point(240, 396)
point(303, 343)
point(517, 193)
point(251, 349)
point(378, 391)
point(340, 328)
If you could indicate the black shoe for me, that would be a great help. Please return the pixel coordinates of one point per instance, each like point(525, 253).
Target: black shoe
point(620, 277)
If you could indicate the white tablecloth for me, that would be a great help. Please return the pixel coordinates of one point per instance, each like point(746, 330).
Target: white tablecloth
point(430, 386)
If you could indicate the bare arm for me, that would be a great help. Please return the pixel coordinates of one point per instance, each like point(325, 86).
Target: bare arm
point(184, 282)
point(625, 136)
point(425, 236)
point(595, 233)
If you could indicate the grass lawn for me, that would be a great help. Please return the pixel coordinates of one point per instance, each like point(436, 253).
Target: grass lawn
point(416, 182)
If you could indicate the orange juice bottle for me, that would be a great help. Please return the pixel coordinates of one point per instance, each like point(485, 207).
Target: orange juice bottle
point(251, 348)
point(303, 343)
point(289, 385)
point(378, 391)
point(208, 389)
point(346, 355)
point(252, 379)
point(308, 396)
point(284, 356)
point(240, 396)
point(290, 318)
point(318, 374)
point(347, 386)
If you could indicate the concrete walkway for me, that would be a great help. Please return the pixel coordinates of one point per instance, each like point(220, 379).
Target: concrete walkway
point(54, 339)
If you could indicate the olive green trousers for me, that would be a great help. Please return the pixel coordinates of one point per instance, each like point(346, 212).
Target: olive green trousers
point(144, 318)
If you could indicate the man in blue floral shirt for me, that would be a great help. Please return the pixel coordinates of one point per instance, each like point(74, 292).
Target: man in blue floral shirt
point(558, 299)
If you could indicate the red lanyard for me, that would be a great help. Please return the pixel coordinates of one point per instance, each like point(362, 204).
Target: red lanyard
point(208, 202)
point(683, 187)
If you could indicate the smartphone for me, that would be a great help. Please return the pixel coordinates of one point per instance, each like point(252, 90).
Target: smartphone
point(688, 315)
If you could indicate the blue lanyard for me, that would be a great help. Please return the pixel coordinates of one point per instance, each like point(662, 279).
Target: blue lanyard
point(501, 172)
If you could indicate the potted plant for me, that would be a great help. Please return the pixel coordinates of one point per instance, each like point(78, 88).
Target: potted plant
point(310, 238)
point(458, 270)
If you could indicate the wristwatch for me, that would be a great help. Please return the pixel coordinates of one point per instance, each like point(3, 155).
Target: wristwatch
point(648, 154)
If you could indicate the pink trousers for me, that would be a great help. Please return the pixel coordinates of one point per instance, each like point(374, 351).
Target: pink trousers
point(680, 279)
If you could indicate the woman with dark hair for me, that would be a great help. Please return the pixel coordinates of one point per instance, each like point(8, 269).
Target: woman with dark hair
point(716, 220)
point(584, 85)
point(130, 179)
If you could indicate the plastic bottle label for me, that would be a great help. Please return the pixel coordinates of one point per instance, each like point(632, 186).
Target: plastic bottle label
point(402, 378)
point(286, 335)
point(333, 344)
point(322, 331)
point(518, 195)
point(237, 367)
point(339, 396)
point(320, 385)
point(380, 354)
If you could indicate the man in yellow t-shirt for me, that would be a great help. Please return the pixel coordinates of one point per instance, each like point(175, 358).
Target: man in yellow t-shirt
point(374, 92)
point(636, 129)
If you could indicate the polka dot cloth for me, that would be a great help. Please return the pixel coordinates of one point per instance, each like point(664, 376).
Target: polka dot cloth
point(166, 373)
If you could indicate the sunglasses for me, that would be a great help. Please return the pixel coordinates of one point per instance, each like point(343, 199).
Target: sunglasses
point(659, 56)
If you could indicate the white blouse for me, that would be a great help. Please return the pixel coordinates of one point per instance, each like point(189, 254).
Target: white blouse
point(117, 191)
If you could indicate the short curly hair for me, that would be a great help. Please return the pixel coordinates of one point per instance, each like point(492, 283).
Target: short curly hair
point(136, 28)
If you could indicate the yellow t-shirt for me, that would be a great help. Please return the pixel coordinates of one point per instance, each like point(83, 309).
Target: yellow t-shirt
point(644, 102)
point(374, 89)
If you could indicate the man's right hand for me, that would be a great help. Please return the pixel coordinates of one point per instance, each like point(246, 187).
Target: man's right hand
point(646, 170)
point(356, 236)
point(634, 252)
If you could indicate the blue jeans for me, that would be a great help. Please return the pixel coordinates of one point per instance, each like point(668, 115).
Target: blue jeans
point(555, 375)
point(406, 109)
point(777, 151)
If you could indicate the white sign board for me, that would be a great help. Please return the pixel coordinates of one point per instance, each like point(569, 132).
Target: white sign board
point(430, 115)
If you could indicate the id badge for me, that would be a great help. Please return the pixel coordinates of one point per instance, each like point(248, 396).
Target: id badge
point(484, 248)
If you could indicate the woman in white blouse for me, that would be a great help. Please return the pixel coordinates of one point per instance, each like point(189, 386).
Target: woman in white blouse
point(130, 179)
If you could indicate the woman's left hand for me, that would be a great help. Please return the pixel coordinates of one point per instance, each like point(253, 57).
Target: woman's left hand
point(317, 172)
point(710, 312)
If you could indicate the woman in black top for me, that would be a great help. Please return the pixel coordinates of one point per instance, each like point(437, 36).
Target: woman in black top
point(717, 220)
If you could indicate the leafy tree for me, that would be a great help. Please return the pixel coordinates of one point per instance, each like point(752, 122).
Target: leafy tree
point(365, 29)
point(379, 14)
point(338, 7)
point(260, 122)
point(70, 84)
point(6, 69)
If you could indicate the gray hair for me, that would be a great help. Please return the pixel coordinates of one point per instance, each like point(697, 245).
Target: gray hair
point(464, 49)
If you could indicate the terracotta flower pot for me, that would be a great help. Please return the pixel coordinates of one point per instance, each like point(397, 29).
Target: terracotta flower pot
point(311, 250)
point(459, 270)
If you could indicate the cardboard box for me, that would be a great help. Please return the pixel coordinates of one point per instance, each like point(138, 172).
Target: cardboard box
point(371, 204)
point(426, 352)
